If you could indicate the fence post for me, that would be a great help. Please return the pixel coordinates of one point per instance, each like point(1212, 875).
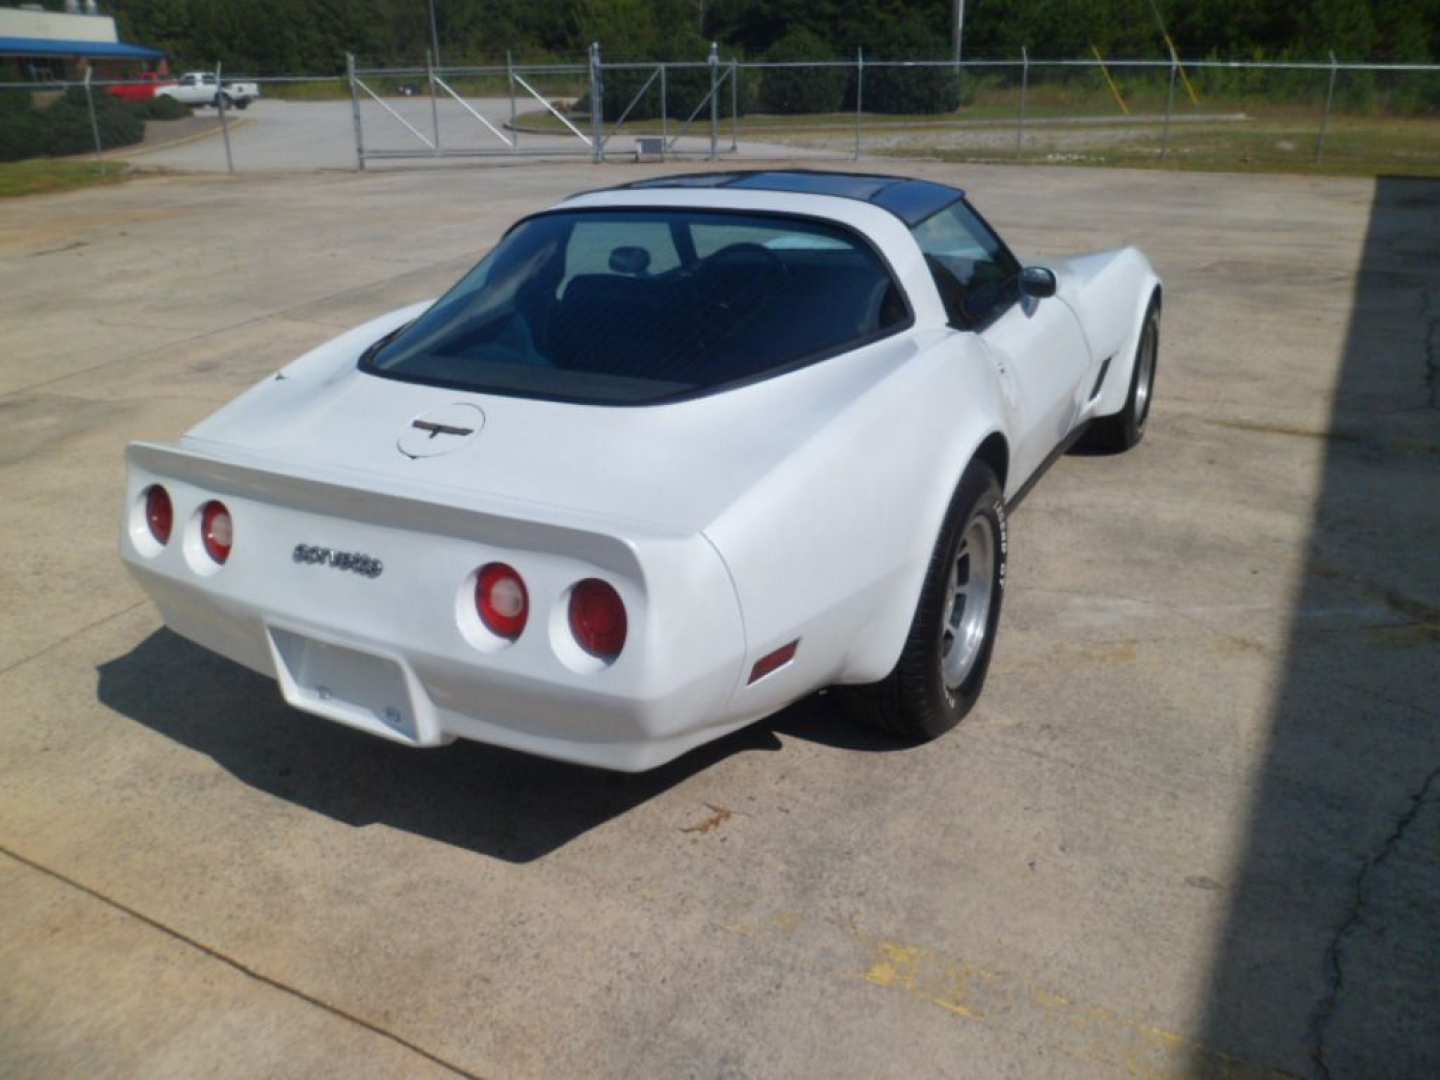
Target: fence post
point(597, 103)
point(224, 123)
point(355, 110)
point(664, 110)
point(859, 95)
point(734, 106)
point(713, 60)
point(1325, 120)
point(1169, 106)
point(90, 104)
point(510, 80)
point(434, 99)
point(1024, 90)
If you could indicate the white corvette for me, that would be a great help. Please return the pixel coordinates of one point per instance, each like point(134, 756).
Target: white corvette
point(672, 456)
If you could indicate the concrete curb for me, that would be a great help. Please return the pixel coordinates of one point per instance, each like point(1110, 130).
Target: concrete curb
point(126, 152)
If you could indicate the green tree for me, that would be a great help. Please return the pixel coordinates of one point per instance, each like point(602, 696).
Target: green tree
point(275, 36)
point(910, 89)
point(802, 90)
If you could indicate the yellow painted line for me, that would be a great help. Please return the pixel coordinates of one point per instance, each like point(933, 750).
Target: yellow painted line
point(127, 152)
point(1113, 88)
point(1194, 99)
point(1121, 1043)
point(958, 1010)
point(896, 966)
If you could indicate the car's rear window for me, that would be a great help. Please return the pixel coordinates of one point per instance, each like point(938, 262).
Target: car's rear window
point(635, 306)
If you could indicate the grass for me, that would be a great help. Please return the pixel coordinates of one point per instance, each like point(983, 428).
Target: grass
point(1354, 146)
point(42, 176)
point(1280, 140)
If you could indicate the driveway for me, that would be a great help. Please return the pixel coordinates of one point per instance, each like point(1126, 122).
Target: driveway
point(1190, 831)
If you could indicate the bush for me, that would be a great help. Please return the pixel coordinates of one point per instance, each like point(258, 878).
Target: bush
point(68, 121)
point(807, 89)
point(22, 135)
point(14, 101)
point(1414, 94)
point(165, 108)
point(64, 127)
point(912, 89)
point(685, 88)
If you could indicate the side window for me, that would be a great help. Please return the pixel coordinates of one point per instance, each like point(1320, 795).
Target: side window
point(976, 276)
point(628, 248)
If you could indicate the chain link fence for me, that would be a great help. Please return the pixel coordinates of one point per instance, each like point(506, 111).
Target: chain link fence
point(1203, 114)
point(1331, 117)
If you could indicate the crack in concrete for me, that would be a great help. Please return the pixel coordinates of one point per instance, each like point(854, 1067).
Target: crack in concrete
point(1335, 974)
point(70, 637)
point(229, 961)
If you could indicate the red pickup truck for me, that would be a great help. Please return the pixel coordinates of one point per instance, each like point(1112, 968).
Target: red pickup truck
point(143, 90)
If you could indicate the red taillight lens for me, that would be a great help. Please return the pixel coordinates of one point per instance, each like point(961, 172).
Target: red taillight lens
point(501, 600)
point(159, 514)
point(597, 618)
point(217, 530)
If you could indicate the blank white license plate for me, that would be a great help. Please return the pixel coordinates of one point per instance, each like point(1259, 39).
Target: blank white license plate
point(336, 679)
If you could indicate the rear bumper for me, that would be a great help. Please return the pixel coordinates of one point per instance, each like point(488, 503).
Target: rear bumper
point(423, 698)
point(400, 653)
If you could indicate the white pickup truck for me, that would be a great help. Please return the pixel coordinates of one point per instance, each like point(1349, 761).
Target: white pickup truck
point(201, 88)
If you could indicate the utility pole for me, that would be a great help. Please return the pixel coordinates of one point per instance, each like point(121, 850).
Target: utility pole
point(434, 35)
point(959, 28)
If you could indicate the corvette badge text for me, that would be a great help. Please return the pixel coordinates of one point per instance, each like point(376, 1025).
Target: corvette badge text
point(340, 560)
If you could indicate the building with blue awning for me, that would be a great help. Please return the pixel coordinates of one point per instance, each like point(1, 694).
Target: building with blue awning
point(37, 45)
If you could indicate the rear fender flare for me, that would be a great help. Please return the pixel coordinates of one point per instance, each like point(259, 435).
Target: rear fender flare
point(876, 652)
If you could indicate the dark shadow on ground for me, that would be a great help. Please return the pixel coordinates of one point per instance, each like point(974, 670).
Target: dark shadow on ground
point(485, 799)
point(1329, 960)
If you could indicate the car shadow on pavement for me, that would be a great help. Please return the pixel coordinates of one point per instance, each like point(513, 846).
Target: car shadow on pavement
point(1327, 961)
point(485, 799)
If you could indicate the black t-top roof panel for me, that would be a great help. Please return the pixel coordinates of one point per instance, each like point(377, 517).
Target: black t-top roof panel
point(912, 201)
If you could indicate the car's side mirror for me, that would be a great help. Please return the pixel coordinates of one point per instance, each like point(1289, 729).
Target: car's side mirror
point(1037, 282)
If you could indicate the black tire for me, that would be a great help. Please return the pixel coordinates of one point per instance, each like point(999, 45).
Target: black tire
point(243, 103)
point(1126, 428)
point(913, 702)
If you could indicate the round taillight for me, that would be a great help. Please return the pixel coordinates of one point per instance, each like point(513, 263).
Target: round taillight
point(501, 600)
point(216, 530)
point(159, 514)
point(597, 618)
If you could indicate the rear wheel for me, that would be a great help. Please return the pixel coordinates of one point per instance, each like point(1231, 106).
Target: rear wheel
point(1127, 427)
point(946, 655)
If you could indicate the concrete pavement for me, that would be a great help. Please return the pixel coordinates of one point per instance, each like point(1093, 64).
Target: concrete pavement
point(1190, 830)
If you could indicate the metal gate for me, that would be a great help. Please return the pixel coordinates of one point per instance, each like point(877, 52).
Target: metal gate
point(399, 107)
point(405, 122)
